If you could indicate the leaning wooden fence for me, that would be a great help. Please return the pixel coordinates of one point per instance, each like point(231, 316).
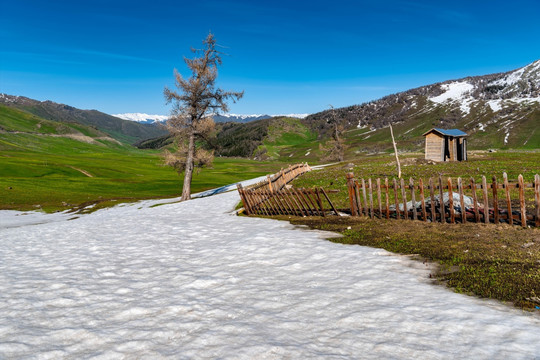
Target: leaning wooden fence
point(462, 200)
point(272, 197)
point(278, 181)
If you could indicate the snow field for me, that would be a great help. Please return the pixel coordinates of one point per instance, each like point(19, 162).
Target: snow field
point(191, 280)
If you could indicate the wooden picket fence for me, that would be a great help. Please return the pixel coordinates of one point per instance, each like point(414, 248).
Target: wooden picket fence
point(272, 197)
point(491, 202)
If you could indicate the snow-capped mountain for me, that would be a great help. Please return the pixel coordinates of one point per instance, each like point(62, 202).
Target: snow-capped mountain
point(241, 118)
point(497, 91)
point(496, 110)
point(142, 118)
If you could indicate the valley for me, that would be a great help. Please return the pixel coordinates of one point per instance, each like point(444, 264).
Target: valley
point(45, 165)
point(54, 156)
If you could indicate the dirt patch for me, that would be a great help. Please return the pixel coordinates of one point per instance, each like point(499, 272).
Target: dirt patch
point(82, 171)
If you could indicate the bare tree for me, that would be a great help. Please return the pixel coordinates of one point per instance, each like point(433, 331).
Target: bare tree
point(190, 122)
point(335, 147)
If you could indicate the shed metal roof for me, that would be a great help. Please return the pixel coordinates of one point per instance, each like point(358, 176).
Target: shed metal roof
point(448, 132)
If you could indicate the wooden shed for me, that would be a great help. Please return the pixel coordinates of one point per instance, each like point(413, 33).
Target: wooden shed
point(446, 145)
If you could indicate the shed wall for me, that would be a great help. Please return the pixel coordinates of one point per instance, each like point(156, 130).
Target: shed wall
point(434, 147)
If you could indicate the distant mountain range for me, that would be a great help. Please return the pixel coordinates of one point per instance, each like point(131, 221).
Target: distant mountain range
point(122, 130)
point(220, 118)
point(496, 110)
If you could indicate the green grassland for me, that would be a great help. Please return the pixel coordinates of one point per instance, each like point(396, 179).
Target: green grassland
point(288, 140)
point(44, 164)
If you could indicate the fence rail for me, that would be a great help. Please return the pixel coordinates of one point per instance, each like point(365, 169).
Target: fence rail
point(277, 181)
point(463, 201)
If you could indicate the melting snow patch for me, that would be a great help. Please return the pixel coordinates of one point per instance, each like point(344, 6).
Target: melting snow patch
point(507, 136)
point(495, 105)
point(453, 91)
point(189, 280)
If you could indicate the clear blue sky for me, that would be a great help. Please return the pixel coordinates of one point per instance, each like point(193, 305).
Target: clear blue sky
point(288, 56)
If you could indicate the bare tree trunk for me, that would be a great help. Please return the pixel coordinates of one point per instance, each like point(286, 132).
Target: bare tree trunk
point(395, 151)
point(186, 189)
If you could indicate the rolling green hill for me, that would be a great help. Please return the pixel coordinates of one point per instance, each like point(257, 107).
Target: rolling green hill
point(56, 165)
point(122, 130)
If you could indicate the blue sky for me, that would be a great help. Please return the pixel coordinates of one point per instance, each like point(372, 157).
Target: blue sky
point(288, 56)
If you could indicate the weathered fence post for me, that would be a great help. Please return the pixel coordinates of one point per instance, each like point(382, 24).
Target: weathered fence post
point(357, 197)
point(441, 201)
point(486, 200)
point(422, 200)
point(364, 195)
point(522, 201)
point(495, 189)
point(413, 200)
point(508, 200)
point(269, 183)
point(243, 198)
point(462, 201)
point(537, 198)
point(404, 199)
point(451, 201)
point(476, 212)
point(379, 197)
point(370, 198)
point(350, 188)
point(432, 198)
point(386, 198)
point(396, 199)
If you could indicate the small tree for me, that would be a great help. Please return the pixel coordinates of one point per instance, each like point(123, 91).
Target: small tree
point(335, 147)
point(190, 122)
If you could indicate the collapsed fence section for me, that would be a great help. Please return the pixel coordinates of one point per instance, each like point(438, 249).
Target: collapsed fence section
point(278, 181)
point(447, 200)
point(287, 201)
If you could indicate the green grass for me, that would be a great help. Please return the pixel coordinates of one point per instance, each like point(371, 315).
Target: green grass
point(38, 170)
point(288, 140)
point(29, 180)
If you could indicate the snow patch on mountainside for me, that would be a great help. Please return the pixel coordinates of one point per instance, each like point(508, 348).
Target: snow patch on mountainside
point(520, 86)
point(453, 91)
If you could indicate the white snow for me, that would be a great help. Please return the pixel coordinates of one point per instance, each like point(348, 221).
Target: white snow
point(495, 105)
point(511, 78)
point(243, 116)
point(453, 91)
point(141, 117)
point(191, 280)
point(299, 116)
